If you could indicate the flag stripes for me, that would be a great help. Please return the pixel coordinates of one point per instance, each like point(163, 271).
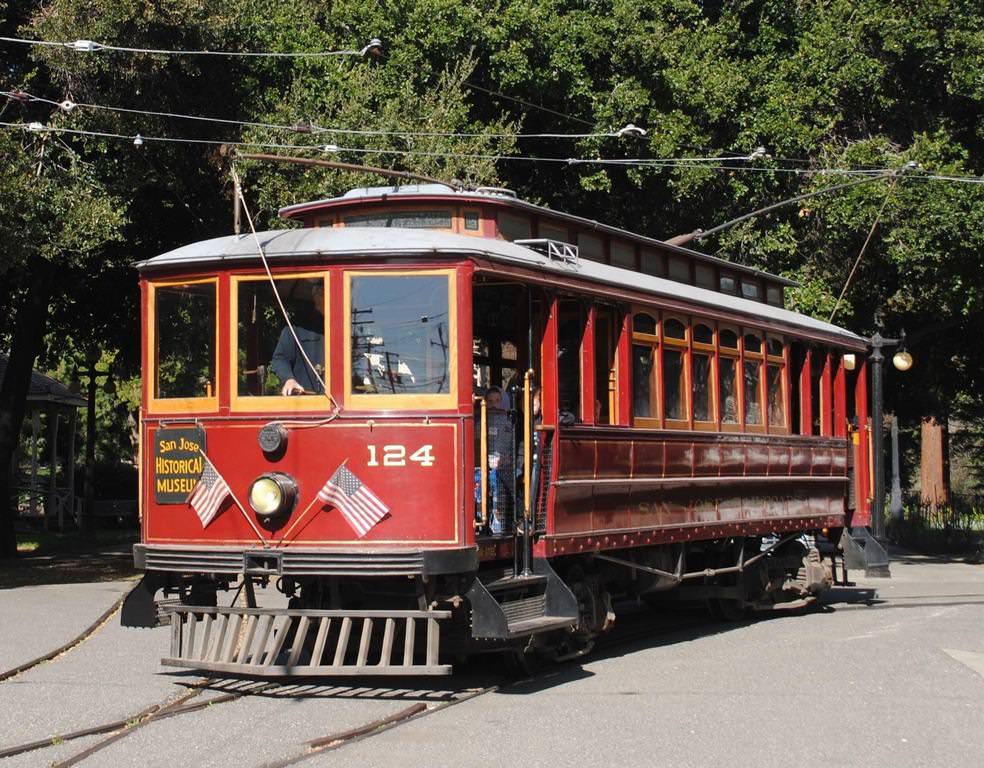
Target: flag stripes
point(209, 493)
point(360, 507)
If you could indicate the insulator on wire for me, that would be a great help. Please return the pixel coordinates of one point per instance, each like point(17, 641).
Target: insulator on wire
point(86, 46)
point(138, 140)
point(67, 105)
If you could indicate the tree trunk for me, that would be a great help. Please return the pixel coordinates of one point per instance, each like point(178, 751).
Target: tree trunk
point(29, 324)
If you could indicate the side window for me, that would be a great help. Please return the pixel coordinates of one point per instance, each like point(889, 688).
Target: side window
point(728, 378)
point(570, 335)
point(269, 361)
point(775, 385)
point(675, 365)
point(512, 226)
point(590, 247)
point(645, 348)
point(184, 340)
point(702, 385)
point(753, 349)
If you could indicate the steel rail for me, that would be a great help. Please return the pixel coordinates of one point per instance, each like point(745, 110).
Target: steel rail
point(84, 635)
point(124, 726)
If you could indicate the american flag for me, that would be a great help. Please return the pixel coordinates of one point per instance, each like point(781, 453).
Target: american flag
point(209, 494)
point(360, 507)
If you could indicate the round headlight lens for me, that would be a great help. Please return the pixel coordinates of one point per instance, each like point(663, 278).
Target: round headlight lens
point(266, 497)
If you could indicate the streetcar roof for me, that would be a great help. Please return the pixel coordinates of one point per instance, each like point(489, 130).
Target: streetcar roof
point(508, 198)
point(386, 242)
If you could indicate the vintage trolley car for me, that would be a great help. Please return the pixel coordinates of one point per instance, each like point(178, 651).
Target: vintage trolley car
point(483, 421)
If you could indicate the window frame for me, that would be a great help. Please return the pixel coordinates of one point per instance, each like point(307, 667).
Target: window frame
point(709, 350)
point(759, 359)
point(651, 340)
point(179, 404)
point(732, 353)
point(404, 402)
point(342, 220)
point(783, 362)
point(255, 403)
point(682, 345)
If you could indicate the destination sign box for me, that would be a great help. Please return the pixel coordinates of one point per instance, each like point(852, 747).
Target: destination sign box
point(178, 463)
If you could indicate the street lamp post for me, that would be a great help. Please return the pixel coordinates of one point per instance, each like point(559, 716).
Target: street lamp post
point(902, 361)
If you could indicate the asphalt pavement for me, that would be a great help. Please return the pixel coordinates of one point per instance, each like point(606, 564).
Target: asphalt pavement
point(890, 673)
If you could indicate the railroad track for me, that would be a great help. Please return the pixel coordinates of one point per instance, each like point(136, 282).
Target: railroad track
point(633, 627)
point(71, 645)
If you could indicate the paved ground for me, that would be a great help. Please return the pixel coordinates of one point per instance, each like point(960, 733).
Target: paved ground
point(894, 678)
point(39, 619)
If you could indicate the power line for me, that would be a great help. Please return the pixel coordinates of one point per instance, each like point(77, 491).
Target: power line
point(529, 104)
point(69, 106)
point(372, 48)
point(696, 163)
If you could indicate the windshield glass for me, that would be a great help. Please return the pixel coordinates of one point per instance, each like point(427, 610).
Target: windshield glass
point(270, 363)
point(399, 332)
point(184, 333)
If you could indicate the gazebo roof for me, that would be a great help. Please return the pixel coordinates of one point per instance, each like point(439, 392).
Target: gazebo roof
point(45, 389)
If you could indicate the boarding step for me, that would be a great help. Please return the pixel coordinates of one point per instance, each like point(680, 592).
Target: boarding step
point(506, 606)
point(261, 642)
point(863, 551)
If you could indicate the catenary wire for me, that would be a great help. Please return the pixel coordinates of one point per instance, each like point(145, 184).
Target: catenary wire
point(90, 46)
point(22, 95)
point(711, 163)
point(672, 162)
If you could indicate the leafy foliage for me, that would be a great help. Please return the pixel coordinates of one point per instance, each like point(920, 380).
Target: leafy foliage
point(839, 84)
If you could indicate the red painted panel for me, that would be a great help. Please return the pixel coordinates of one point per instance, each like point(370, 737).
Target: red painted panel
point(577, 459)
point(800, 460)
point(707, 459)
point(822, 461)
point(572, 512)
point(424, 501)
point(732, 459)
point(648, 458)
point(779, 456)
point(614, 458)
point(679, 459)
point(757, 459)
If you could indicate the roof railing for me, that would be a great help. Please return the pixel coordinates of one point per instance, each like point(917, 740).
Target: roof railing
point(555, 250)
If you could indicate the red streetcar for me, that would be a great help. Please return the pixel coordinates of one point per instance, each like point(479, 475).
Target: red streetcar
point(432, 423)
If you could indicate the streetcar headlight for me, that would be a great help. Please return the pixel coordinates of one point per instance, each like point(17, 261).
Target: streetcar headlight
point(272, 494)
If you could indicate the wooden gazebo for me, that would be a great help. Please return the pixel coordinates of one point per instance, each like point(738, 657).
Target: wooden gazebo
point(49, 402)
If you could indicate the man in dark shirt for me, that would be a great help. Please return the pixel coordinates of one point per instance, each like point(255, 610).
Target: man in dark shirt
point(289, 364)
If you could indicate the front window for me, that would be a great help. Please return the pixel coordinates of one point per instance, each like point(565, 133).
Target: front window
point(401, 336)
point(271, 361)
point(184, 340)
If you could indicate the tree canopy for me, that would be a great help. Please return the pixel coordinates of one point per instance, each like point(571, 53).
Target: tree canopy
point(830, 89)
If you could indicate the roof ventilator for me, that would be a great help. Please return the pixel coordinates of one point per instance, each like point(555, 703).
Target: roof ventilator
point(555, 250)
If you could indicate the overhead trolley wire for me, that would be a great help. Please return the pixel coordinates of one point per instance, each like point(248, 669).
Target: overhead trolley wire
point(373, 47)
point(69, 106)
point(704, 163)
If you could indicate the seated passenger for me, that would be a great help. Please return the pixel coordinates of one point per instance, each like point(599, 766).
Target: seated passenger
point(288, 363)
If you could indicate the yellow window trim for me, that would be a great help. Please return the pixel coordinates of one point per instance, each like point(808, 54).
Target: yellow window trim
point(403, 402)
point(256, 403)
point(177, 404)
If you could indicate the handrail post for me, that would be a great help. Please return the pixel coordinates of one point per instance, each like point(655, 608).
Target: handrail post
point(527, 472)
point(484, 459)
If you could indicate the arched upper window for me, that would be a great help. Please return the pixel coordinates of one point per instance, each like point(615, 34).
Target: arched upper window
point(643, 323)
point(674, 329)
point(753, 344)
